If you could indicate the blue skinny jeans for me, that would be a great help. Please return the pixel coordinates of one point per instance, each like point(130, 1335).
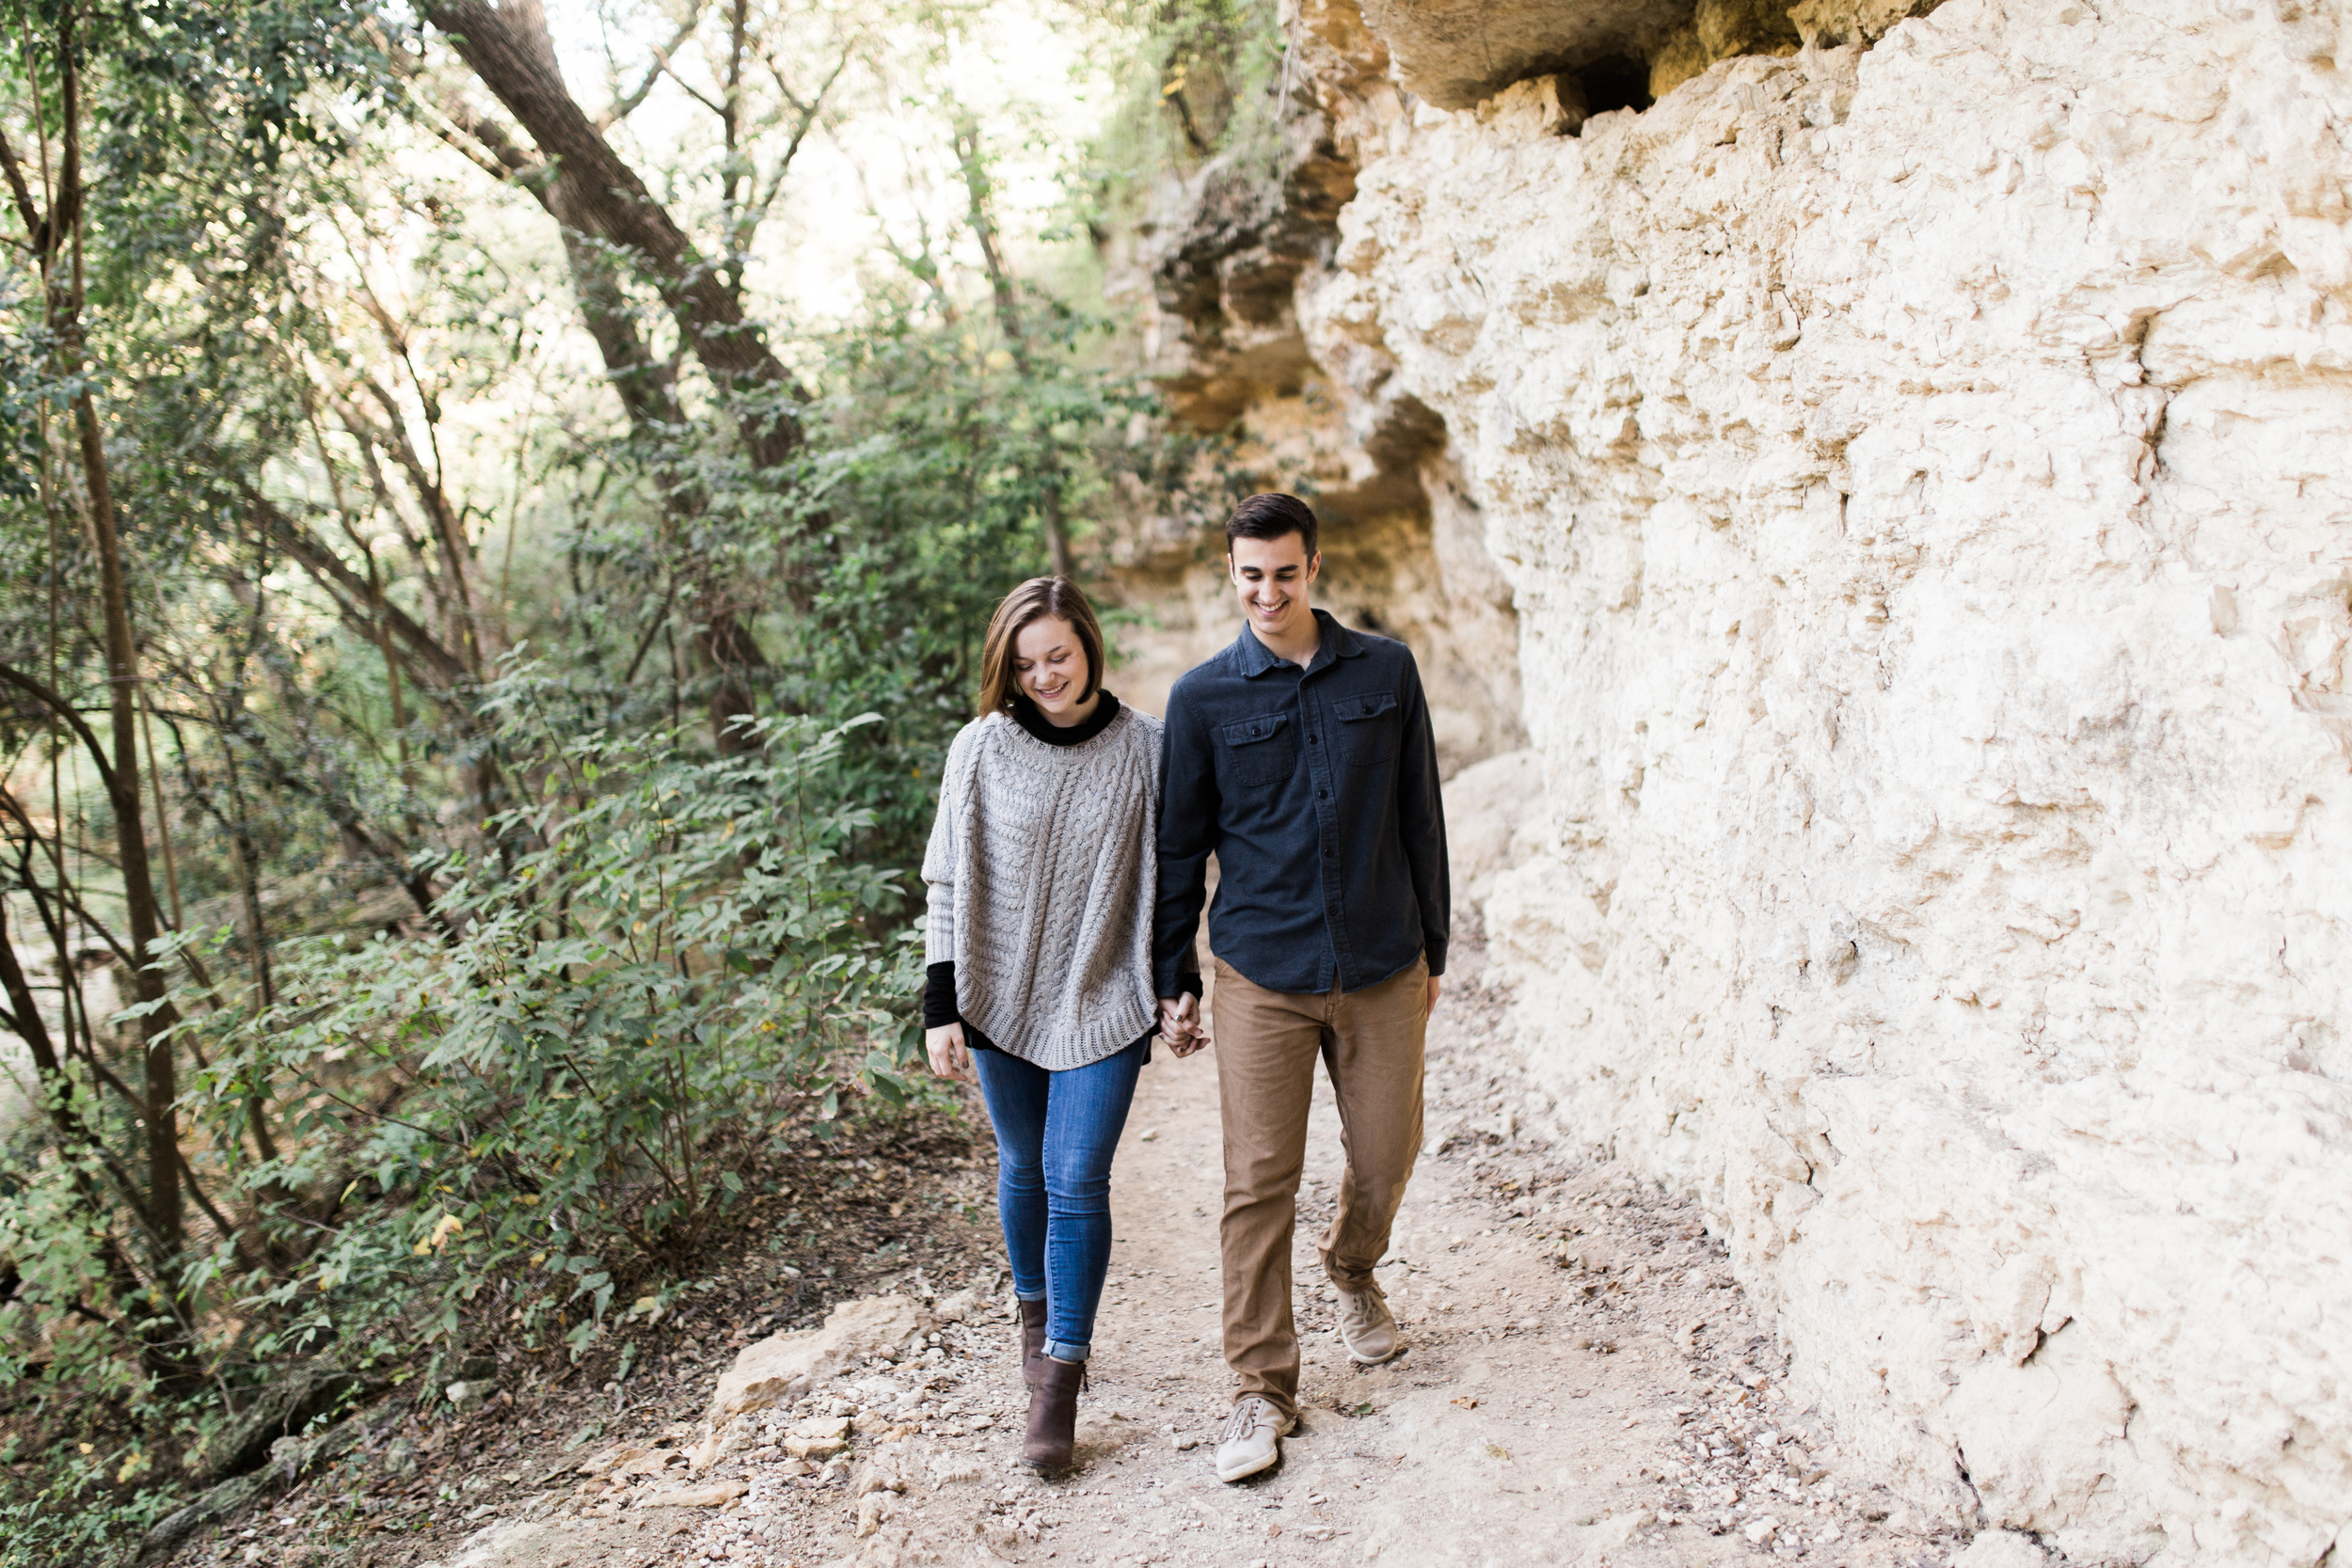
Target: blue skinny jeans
point(1056, 1133)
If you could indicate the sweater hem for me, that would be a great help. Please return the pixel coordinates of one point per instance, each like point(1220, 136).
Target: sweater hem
point(1099, 1040)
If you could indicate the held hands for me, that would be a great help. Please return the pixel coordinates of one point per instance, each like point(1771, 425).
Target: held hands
point(1181, 1025)
point(950, 1057)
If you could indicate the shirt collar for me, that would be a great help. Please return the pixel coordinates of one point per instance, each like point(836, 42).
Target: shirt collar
point(1257, 658)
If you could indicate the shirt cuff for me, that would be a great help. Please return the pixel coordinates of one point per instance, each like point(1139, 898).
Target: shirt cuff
point(939, 993)
point(1435, 952)
point(1187, 984)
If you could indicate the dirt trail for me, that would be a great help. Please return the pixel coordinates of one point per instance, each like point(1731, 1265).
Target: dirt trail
point(1546, 1412)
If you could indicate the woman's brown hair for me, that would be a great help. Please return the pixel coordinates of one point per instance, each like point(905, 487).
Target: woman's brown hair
point(1036, 600)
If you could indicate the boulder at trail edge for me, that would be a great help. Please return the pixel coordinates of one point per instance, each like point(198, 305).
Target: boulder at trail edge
point(783, 1367)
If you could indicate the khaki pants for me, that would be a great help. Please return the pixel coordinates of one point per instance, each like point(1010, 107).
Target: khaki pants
point(1266, 1045)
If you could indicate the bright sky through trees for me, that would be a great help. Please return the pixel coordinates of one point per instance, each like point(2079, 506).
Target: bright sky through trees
point(1037, 74)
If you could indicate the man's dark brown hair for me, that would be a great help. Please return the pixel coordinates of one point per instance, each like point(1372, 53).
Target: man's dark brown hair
point(1270, 516)
point(1036, 600)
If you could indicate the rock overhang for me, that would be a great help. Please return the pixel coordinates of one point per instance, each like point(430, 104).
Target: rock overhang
point(1454, 53)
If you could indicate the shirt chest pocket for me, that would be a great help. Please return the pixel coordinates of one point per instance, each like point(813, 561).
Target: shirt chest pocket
point(1368, 727)
point(1254, 753)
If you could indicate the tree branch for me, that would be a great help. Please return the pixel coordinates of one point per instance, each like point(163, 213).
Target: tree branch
point(36, 228)
point(621, 109)
point(687, 88)
point(808, 114)
point(346, 818)
point(65, 892)
point(328, 567)
point(66, 711)
point(493, 150)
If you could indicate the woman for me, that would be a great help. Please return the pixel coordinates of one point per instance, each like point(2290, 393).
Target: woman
point(1041, 872)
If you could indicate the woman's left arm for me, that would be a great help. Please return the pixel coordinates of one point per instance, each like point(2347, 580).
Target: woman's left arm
point(939, 866)
point(942, 1031)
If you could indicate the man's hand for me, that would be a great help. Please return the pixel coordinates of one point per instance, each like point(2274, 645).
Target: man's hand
point(950, 1057)
point(1181, 1025)
point(1434, 983)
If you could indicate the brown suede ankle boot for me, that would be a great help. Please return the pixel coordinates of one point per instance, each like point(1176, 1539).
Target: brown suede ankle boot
point(1052, 1413)
point(1032, 1341)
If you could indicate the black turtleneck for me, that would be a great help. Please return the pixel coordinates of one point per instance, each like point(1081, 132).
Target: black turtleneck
point(1024, 714)
point(939, 979)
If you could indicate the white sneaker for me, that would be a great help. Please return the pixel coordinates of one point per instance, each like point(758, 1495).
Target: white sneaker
point(1253, 1439)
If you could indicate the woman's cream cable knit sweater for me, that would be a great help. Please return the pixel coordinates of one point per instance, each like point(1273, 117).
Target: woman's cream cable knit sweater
point(1042, 872)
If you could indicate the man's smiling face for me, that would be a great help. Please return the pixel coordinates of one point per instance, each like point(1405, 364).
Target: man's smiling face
point(1271, 577)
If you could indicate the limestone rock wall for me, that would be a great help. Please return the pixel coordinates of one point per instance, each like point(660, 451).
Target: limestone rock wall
point(1919, 468)
point(1217, 271)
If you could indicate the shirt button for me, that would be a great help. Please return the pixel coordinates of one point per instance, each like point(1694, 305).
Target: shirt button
point(1312, 738)
point(1322, 794)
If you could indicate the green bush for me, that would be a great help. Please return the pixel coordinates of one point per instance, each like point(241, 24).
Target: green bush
point(645, 974)
point(74, 1516)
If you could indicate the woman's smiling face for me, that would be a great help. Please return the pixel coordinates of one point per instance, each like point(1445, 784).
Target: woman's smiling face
point(1050, 663)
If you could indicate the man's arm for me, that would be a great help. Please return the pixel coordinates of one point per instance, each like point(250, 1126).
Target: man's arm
point(1421, 818)
point(1188, 833)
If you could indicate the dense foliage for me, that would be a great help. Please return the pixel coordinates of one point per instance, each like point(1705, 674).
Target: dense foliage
point(473, 668)
point(572, 1089)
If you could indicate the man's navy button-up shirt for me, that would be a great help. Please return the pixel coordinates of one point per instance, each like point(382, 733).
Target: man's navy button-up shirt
point(1317, 791)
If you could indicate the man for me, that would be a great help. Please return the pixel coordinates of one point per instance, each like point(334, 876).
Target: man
point(1302, 757)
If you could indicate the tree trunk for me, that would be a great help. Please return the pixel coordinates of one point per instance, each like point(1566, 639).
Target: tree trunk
point(735, 656)
point(161, 1092)
point(647, 387)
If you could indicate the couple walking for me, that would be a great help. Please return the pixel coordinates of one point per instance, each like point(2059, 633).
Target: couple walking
point(1066, 873)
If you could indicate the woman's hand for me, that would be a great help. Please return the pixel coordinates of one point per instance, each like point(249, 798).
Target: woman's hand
point(950, 1056)
point(1180, 1024)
